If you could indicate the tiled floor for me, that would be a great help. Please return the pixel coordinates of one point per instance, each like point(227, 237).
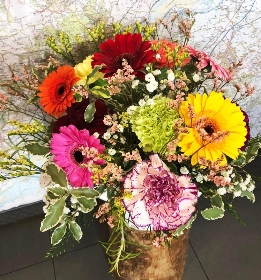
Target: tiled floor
point(218, 250)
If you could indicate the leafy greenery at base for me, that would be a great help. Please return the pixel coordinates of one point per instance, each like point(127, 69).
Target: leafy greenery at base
point(68, 238)
point(118, 243)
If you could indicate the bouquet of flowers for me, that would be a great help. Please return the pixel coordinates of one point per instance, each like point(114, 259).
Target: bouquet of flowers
point(150, 125)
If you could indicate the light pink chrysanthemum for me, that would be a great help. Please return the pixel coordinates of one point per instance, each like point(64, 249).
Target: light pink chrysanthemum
point(76, 152)
point(159, 198)
point(204, 60)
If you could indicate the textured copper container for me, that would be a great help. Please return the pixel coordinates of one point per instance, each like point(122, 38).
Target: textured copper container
point(154, 263)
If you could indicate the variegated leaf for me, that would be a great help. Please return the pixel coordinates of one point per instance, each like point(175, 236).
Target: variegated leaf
point(75, 230)
point(54, 215)
point(58, 234)
point(58, 176)
point(88, 193)
point(213, 213)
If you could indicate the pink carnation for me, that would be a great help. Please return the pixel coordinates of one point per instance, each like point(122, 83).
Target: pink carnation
point(159, 198)
point(204, 60)
point(76, 152)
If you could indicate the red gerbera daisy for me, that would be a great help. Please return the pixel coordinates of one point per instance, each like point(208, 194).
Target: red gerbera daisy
point(56, 90)
point(125, 46)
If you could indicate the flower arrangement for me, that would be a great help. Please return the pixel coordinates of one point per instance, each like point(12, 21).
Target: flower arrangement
point(147, 123)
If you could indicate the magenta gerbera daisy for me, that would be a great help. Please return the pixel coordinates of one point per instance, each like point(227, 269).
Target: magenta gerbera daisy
point(77, 152)
point(124, 46)
point(158, 198)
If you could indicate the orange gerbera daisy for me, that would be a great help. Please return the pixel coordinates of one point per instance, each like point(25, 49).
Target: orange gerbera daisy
point(56, 90)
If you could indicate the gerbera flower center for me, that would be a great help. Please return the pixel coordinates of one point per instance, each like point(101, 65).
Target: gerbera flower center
point(130, 57)
point(161, 189)
point(78, 156)
point(209, 129)
point(60, 90)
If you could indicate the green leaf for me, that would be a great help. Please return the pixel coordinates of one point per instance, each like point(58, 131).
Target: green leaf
point(87, 204)
point(77, 97)
point(97, 90)
point(37, 149)
point(58, 176)
point(100, 189)
point(76, 230)
point(239, 161)
point(88, 193)
point(216, 201)
point(50, 69)
point(208, 193)
point(249, 195)
point(53, 217)
point(232, 211)
point(89, 112)
point(52, 196)
point(249, 153)
point(206, 189)
point(100, 82)
point(180, 230)
point(57, 191)
point(190, 68)
point(213, 213)
point(252, 150)
point(58, 234)
point(94, 71)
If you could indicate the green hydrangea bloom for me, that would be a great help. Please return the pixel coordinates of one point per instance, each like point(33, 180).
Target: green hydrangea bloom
point(153, 124)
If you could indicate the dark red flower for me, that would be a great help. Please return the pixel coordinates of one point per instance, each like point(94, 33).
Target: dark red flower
point(246, 120)
point(128, 46)
point(75, 116)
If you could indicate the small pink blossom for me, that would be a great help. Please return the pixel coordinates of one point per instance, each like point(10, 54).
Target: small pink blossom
point(134, 155)
point(113, 172)
point(159, 198)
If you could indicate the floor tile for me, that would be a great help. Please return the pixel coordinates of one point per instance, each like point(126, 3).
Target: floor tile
point(193, 269)
point(40, 271)
point(228, 250)
point(22, 244)
point(21, 213)
point(89, 263)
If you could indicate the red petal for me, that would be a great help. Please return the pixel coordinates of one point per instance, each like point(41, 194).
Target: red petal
point(130, 44)
point(137, 41)
point(148, 57)
point(100, 58)
point(109, 48)
point(121, 42)
point(145, 46)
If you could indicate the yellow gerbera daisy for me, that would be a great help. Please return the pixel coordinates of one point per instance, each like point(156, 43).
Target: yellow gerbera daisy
point(216, 127)
point(83, 69)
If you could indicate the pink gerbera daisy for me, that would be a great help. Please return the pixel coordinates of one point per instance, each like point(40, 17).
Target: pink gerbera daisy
point(158, 198)
point(76, 152)
point(204, 60)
